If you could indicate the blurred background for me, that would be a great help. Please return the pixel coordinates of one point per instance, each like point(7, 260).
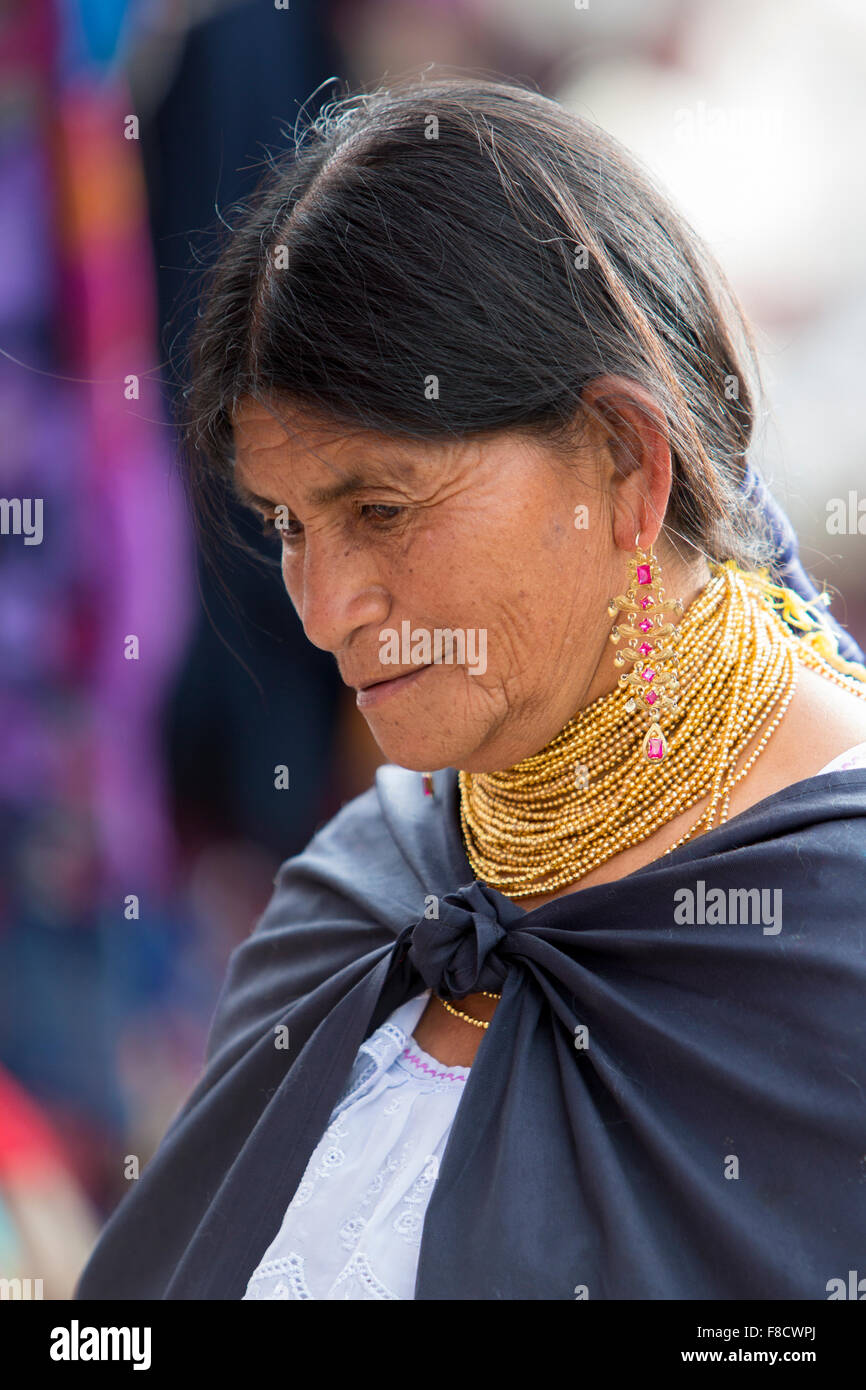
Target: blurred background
point(140, 828)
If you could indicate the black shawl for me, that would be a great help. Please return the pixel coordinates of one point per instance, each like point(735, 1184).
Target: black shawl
point(659, 1109)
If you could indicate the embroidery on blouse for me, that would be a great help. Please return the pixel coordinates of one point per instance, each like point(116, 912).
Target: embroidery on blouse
point(409, 1056)
point(337, 1128)
point(356, 1272)
point(384, 1042)
point(293, 1267)
point(333, 1156)
point(351, 1232)
point(373, 1057)
point(373, 1070)
point(409, 1223)
point(358, 1268)
point(352, 1229)
point(331, 1159)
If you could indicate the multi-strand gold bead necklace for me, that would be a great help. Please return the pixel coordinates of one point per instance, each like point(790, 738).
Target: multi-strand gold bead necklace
point(591, 793)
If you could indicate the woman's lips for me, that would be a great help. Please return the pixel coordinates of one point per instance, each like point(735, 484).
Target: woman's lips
point(375, 694)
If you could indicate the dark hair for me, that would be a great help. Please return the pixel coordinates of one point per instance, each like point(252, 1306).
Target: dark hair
point(477, 232)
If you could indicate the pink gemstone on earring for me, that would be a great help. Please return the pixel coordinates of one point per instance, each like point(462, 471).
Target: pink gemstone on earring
point(645, 602)
point(651, 697)
point(655, 748)
point(647, 673)
point(644, 574)
point(645, 624)
point(427, 783)
point(644, 648)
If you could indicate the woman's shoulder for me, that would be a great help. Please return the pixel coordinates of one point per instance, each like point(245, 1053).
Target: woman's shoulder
point(825, 719)
point(854, 757)
point(397, 836)
point(366, 874)
point(823, 722)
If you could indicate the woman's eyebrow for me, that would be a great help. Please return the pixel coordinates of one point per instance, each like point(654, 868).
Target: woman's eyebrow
point(249, 498)
point(319, 496)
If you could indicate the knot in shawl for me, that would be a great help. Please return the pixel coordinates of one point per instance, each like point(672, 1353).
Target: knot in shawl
point(464, 949)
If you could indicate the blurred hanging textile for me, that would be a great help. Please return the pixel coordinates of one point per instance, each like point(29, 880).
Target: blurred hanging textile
point(47, 1227)
point(95, 612)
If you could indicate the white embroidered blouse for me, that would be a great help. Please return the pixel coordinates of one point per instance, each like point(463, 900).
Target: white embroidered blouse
point(353, 1227)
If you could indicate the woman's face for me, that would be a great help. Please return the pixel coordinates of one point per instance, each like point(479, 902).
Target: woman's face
point(385, 544)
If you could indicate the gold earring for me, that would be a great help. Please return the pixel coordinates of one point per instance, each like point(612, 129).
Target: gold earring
point(427, 783)
point(651, 640)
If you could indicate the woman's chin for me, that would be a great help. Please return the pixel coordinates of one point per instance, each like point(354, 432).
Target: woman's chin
point(417, 756)
point(424, 738)
point(420, 750)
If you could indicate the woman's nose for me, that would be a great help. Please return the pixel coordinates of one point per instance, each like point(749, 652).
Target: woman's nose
point(341, 591)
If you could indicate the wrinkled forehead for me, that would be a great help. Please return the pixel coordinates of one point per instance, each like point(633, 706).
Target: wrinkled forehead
point(290, 429)
point(276, 442)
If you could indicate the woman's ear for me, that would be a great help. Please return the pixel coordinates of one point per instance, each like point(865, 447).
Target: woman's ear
point(636, 437)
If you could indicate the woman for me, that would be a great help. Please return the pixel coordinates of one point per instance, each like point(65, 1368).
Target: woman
point(578, 1014)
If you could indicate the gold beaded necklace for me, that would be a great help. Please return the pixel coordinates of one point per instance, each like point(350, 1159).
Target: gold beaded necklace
point(591, 793)
point(479, 1022)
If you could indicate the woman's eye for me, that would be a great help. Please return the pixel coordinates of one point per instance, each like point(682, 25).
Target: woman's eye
point(289, 528)
point(285, 527)
point(380, 511)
